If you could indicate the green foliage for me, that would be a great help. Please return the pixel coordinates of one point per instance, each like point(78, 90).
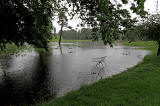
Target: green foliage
point(55, 38)
point(25, 21)
point(148, 30)
point(11, 49)
point(125, 1)
point(107, 18)
point(139, 8)
point(83, 34)
point(29, 21)
point(151, 27)
point(70, 34)
point(134, 33)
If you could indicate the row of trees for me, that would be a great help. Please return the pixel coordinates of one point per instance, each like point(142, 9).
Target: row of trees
point(82, 34)
point(29, 21)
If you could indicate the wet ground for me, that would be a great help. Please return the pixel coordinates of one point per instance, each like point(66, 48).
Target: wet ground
point(30, 76)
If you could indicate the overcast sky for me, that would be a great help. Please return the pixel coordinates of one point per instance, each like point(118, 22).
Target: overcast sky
point(150, 5)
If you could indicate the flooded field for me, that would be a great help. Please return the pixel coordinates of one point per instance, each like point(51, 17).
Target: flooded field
point(30, 76)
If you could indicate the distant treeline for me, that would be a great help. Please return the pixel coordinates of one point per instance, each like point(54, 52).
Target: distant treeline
point(77, 35)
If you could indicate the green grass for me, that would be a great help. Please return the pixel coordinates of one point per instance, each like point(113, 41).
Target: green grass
point(11, 48)
point(137, 86)
point(76, 40)
point(56, 39)
point(148, 45)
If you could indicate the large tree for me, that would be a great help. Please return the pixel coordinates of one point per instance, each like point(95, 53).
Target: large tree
point(148, 29)
point(25, 21)
point(151, 29)
point(108, 17)
point(30, 20)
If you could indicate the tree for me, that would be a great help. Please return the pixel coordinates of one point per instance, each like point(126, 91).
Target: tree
point(107, 17)
point(134, 33)
point(29, 21)
point(63, 22)
point(25, 21)
point(151, 29)
point(72, 34)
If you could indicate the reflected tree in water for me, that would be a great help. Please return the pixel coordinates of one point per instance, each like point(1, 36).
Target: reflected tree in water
point(14, 90)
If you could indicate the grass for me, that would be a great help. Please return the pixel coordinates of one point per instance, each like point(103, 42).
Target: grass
point(56, 39)
point(76, 40)
point(147, 45)
point(11, 48)
point(137, 86)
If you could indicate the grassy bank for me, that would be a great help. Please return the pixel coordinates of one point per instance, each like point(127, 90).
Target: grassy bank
point(138, 86)
point(148, 45)
point(11, 48)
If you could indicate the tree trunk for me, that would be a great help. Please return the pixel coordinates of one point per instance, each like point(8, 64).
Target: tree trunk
point(61, 33)
point(60, 48)
point(158, 52)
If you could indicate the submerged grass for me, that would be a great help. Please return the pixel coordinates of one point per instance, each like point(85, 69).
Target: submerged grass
point(137, 86)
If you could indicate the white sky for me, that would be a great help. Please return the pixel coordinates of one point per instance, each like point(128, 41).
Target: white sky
point(150, 6)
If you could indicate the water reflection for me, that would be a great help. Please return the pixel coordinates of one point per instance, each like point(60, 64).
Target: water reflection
point(30, 76)
point(97, 73)
point(22, 89)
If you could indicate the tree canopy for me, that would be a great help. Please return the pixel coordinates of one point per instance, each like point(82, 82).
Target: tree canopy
point(146, 30)
point(151, 29)
point(25, 21)
point(107, 17)
point(29, 21)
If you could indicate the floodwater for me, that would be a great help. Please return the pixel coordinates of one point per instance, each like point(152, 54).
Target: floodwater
point(30, 76)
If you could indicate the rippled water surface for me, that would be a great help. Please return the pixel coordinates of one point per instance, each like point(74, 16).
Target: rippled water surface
point(30, 76)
